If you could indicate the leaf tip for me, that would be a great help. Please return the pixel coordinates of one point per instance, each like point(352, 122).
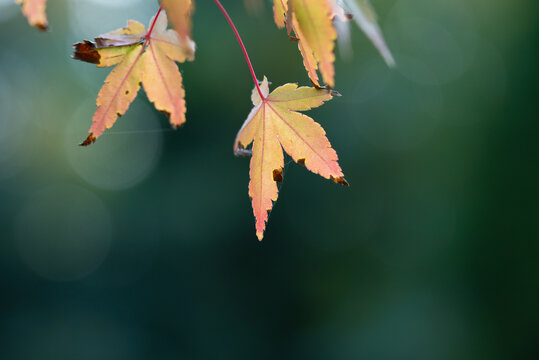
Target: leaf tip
point(340, 180)
point(42, 27)
point(86, 51)
point(89, 140)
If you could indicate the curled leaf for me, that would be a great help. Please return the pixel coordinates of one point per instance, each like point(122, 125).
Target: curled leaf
point(315, 24)
point(366, 19)
point(312, 23)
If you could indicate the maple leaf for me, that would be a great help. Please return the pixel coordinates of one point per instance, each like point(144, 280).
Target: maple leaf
point(366, 19)
point(312, 23)
point(140, 56)
point(180, 12)
point(280, 8)
point(274, 124)
point(35, 12)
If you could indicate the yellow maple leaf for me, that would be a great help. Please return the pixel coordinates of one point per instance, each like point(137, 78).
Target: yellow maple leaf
point(280, 8)
point(274, 124)
point(35, 12)
point(312, 23)
point(141, 56)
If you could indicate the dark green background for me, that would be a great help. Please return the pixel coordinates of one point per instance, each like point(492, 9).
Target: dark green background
point(142, 246)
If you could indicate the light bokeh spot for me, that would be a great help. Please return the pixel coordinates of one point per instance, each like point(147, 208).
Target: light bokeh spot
point(124, 155)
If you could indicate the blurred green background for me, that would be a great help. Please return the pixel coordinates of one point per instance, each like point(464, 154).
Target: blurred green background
point(142, 246)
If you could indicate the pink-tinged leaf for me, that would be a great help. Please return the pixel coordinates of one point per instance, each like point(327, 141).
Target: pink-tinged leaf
point(275, 124)
point(139, 57)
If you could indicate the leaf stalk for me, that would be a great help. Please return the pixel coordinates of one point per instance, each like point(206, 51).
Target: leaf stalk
point(150, 31)
point(245, 54)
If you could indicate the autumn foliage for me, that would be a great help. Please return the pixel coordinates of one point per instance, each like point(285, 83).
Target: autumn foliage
point(35, 12)
point(140, 55)
point(148, 57)
point(274, 124)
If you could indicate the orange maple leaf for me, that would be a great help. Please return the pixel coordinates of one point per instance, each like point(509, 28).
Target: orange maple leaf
point(274, 124)
point(142, 56)
point(35, 12)
point(312, 23)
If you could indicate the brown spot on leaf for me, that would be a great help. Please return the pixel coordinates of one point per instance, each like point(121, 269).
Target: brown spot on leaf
point(301, 162)
point(89, 140)
point(278, 175)
point(166, 113)
point(42, 27)
point(86, 51)
point(340, 180)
